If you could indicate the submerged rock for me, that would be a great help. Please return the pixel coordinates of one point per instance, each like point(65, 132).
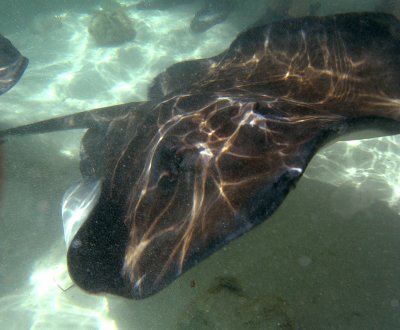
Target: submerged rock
point(110, 28)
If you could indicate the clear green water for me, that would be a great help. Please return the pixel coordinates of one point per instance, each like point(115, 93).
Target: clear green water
point(328, 259)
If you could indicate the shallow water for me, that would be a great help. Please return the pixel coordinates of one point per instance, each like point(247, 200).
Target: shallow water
point(328, 258)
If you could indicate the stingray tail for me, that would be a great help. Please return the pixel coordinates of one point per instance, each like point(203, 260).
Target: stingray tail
point(82, 120)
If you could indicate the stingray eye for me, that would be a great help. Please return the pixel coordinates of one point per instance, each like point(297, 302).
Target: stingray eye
point(174, 162)
point(167, 182)
point(261, 108)
point(170, 171)
point(166, 168)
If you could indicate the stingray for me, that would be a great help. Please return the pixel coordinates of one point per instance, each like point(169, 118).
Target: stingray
point(12, 65)
point(220, 144)
point(212, 13)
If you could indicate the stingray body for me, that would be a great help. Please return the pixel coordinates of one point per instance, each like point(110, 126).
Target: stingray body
point(221, 142)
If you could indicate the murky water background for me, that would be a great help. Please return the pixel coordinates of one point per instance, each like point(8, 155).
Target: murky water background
point(328, 259)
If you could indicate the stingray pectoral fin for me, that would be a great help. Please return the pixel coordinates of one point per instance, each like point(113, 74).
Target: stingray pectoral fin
point(88, 119)
point(96, 253)
point(78, 202)
point(369, 129)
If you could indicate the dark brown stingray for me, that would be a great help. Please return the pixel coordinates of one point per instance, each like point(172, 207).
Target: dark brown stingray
point(221, 142)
